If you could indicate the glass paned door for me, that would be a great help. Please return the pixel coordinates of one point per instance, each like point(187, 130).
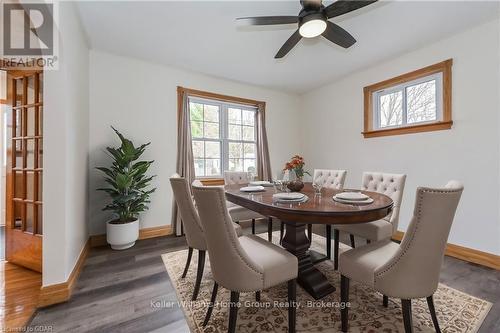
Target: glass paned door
point(24, 169)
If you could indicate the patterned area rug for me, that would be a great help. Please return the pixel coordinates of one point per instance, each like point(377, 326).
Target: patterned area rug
point(456, 311)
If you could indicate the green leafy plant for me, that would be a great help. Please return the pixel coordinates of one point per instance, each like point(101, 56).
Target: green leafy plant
point(128, 181)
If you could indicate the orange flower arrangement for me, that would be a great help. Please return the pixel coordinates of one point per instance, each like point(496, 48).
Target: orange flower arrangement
point(297, 165)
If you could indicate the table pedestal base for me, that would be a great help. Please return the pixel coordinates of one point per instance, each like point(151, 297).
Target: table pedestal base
point(317, 257)
point(309, 278)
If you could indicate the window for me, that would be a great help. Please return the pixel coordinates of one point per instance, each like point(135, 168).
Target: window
point(223, 137)
point(414, 102)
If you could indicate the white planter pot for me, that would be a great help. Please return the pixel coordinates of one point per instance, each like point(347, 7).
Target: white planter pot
point(122, 236)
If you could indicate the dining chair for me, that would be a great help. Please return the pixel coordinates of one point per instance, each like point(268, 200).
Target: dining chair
point(389, 184)
point(244, 264)
point(409, 270)
point(195, 237)
point(239, 213)
point(333, 179)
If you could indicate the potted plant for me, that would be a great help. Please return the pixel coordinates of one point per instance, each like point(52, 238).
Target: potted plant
point(129, 192)
point(297, 166)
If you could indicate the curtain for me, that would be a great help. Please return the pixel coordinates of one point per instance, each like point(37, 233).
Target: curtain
point(185, 161)
point(263, 162)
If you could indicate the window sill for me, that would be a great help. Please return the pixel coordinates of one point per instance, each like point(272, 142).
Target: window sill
point(211, 181)
point(438, 126)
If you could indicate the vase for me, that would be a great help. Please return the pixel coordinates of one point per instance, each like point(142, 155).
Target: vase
point(296, 185)
point(122, 236)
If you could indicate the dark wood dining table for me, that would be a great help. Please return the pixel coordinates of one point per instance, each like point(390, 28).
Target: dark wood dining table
point(316, 210)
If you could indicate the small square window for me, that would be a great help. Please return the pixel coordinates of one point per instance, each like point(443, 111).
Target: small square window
point(414, 102)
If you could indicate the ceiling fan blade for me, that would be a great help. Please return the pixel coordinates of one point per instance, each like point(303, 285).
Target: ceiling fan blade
point(269, 20)
point(289, 44)
point(341, 7)
point(337, 35)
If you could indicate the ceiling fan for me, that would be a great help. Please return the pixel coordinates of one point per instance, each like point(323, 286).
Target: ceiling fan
point(313, 21)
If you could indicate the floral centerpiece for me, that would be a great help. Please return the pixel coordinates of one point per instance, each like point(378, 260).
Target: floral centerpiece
point(297, 166)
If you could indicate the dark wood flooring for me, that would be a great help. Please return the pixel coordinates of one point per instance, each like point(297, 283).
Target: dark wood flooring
point(118, 291)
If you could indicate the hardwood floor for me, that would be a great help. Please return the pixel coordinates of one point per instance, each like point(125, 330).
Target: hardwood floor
point(19, 290)
point(118, 291)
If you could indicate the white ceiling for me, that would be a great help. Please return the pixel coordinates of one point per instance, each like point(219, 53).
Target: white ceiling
point(203, 36)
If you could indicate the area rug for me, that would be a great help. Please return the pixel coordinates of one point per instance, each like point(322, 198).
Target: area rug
point(456, 311)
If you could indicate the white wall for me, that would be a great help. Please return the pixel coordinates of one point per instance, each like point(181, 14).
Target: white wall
point(66, 131)
point(140, 100)
point(468, 152)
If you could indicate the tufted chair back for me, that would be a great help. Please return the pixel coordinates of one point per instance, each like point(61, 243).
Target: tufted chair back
point(333, 179)
point(413, 271)
point(189, 216)
point(231, 266)
point(236, 177)
point(389, 184)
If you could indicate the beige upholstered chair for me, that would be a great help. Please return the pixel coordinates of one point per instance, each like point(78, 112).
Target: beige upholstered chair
point(239, 213)
point(245, 264)
point(195, 236)
point(333, 179)
point(389, 184)
point(409, 270)
point(330, 178)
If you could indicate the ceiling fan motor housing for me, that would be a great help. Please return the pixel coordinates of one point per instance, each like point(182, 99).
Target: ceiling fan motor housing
point(311, 4)
point(309, 16)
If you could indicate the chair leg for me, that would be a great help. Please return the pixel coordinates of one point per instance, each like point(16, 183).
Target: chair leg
point(385, 301)
point(430, 303)
point(253, 226)
point(329, 241)
point(353, 245)
point(257, 296)
point(186, 268)
point(270, 229)
point(211, 305)
point(336, 235)
point(344, 299)
point(199, 273)
point(310, 232)
point(233, 311)
point(292, 298)
point(282, 231)
point(406, 304)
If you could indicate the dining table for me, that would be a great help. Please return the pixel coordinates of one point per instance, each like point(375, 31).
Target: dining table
point(317, 208)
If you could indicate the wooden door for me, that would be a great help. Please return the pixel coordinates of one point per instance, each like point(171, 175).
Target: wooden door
point(24, 169)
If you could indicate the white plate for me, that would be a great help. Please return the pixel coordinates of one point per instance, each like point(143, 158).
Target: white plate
point(291, 201)
point(352, 196)
point(289, 196)
point(261, 183)
point(354, 202)
point(252, 189)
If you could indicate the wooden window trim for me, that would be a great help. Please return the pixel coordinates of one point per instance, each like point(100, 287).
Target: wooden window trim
point(212, 181)
point(444, 124)
point(214, 96)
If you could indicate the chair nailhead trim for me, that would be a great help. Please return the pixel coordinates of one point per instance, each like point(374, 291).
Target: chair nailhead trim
point(419, 209)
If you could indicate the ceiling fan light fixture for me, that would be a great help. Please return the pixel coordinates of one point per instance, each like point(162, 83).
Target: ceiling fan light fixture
point(312, 26)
